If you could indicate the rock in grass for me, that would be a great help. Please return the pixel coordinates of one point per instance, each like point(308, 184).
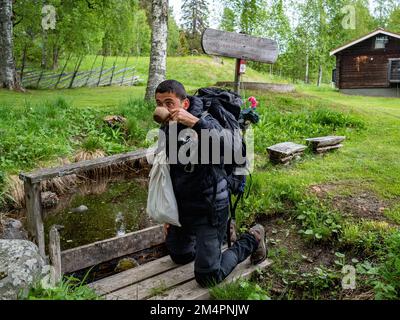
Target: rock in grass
point(80, 209)
point(49, 199)
point(13, 229)
point(126, 264)
point(114, 120)
point(20, 267)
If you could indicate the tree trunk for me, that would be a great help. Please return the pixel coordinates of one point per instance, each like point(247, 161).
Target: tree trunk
point(307, 79)
point(44, 50)
point(8, 73)
point(56, 53)
point(319, 76)
point(23, 62)
point(158, 55)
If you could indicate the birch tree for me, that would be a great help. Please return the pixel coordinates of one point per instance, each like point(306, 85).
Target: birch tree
point(8, 73)
point(159, 40)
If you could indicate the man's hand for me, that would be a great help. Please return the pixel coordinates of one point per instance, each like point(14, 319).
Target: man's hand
point(166, 227)
point(182, 116)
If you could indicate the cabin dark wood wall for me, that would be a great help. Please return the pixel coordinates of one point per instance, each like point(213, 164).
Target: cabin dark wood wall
point(363, 66)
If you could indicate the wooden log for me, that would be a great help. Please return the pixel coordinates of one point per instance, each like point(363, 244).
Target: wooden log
point(55, 253)
point(325, 141)
point(77, 66)
point(123, 76)
point(34, 214)
point(91, 71)
point(62, 72)
point(329, 148)
point(101, 251)
point(113, 71)
point(74, 168)
point(101, 71)
point(240, 46)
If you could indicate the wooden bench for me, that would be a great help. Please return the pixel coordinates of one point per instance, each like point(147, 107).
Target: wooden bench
point(282, 153)
point(324, 144)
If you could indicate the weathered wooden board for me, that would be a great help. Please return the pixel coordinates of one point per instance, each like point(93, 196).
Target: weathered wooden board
point(240, 46)
point(74, 168)
point(192, 291)
point(55, 253)
point(145, 289)
point(282, 150)
point(34, 214)
point(132, 276)
point(328, 148)
point(101, 251)
point(325, 141)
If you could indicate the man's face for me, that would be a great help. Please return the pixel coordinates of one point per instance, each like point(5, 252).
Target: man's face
point(171, 101)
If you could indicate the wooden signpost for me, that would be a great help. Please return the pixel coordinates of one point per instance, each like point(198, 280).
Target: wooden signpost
point(240, 46)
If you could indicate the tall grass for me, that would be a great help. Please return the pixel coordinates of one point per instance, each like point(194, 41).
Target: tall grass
point(279, 125)
point(36, 135)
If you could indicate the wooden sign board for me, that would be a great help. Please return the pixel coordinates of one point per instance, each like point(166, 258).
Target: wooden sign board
point(240, 46)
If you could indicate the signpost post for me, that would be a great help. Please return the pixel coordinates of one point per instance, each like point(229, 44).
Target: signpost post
point(240, 46)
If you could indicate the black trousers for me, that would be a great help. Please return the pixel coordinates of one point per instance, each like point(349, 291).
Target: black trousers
point(202, 242)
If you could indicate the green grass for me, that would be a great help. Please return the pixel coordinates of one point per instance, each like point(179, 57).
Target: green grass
point(239, 290)
point(69, 288)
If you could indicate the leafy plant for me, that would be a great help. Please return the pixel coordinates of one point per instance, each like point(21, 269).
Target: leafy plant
point(317, 221)
point(69, 288)
point(239, 290)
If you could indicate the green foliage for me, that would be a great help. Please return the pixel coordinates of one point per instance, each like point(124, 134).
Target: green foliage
point(367, 237)
point(239, 290)
point(394, 20)
point(388, 286)
point(69, 288)
point(28, 129)
point(141, 35)
point(228, 20)
point(194, 20)
point(82, 27)
point(318, 282)
point(318, 222)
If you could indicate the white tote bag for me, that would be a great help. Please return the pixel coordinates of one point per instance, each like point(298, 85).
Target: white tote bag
point(161, 201)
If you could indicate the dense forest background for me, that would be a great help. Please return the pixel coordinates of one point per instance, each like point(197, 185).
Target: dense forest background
point(305, 30)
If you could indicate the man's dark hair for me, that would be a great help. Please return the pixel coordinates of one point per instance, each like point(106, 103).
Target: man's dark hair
point(172, 86)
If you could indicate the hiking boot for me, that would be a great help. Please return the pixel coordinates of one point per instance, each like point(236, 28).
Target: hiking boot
point(233, 231)
point(260, 254)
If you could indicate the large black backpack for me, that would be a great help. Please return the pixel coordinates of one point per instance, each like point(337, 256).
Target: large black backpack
point(225, 107)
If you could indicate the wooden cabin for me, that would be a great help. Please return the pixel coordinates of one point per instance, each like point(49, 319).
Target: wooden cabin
point(369, 65)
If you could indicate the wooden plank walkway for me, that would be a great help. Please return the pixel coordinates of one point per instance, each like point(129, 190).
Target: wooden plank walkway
point(162, 279)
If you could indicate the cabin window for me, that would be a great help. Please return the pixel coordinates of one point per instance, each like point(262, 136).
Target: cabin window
point(380, 42)
point(394, 70)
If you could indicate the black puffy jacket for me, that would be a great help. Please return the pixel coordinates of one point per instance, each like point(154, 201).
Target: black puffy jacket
point(200, 189)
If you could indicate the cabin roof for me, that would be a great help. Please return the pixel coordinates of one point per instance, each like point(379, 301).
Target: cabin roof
point(369, 35)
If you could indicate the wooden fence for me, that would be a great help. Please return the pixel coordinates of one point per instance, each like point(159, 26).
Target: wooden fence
point(36, 78)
